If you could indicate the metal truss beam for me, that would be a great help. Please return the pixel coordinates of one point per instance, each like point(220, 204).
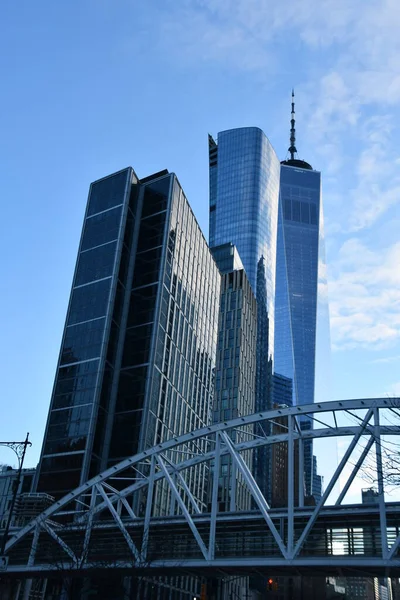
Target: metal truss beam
point(332, 482)
point(117, 518)
point(220, 433)
point(110, 473)
point(184, 485)
point(149, 506)
point(355, 470)
point(183, 508)
point(254, 490)
point(381, 490)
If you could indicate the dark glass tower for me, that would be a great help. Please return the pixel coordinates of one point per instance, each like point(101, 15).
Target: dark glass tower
point(138, 351)
point(235, 379)
point(262, 455)
point(74, 437)
point(297, 280)
point(235, 373)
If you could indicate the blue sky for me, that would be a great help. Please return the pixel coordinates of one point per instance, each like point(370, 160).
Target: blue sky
point(91, 86)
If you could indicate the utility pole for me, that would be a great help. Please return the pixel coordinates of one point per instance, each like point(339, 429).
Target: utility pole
point(20, 450)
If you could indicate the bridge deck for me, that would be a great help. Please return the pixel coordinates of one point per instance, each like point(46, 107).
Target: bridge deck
point(343, 537)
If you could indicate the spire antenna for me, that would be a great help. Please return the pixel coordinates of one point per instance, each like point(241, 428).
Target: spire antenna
point(292, 149)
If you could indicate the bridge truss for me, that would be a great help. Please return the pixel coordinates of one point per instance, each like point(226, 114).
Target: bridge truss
point(147, 513)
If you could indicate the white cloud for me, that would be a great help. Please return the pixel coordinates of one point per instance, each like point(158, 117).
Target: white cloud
point(378, 186)
point(361, 50)
point(364, 292)
point(387, 359)
point(351, 125)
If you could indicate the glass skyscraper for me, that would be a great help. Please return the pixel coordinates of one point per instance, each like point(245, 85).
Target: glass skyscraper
point(297, 278)
point(297, 271)
point(244, 193)
point(271, 212)
point(244, 199)
point(138, 352)
point(235, 373)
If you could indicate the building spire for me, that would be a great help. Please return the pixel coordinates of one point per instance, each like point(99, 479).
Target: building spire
point(292, 149)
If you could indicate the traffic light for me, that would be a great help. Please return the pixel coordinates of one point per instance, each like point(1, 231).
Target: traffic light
point(272, 585)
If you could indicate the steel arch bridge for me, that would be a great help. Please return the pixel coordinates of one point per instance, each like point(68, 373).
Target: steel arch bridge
point(113, 521)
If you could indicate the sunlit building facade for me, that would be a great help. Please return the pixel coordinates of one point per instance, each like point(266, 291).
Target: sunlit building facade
point(244, 193)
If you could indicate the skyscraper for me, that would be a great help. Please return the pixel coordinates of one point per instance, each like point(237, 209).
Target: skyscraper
point(138, 351)
point(244, 198)
point(277, 232)
point(235, 373)
point(244, 193)
point(297, 279)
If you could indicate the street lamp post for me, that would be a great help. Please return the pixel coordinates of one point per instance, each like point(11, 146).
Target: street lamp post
point(20, 449)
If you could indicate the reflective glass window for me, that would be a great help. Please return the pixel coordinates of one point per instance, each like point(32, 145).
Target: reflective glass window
point(305, 212)
point(296, 210)
point(89, 302)
point(151, 232)
point(147, 267)
point(57, 463)
point(57, 443)
point(287, 213)
point(131, 389)
point(107, 192)
point(142, 305)
point(155, 198)
point(137, 345)
point(313, 214)
point(75, 384)
point(83, 341)
point(71, 422)
point(81, 373)
point(95, 264)
point(126, 434)
point(102, 228)
point(60, 481)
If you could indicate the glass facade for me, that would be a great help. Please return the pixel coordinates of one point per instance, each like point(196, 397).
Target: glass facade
point(297, 286)
point(165, 384)
point(74, 434)
point(263, 396)
point(282, 390)
point(244, 201)
point(137, 359)
point(297, 279)
point(244, 192)
point(236, 368)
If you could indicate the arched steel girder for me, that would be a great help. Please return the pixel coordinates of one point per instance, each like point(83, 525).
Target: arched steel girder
point(223, 446)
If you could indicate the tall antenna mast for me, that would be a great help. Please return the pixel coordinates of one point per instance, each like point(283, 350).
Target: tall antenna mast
point(292, 148)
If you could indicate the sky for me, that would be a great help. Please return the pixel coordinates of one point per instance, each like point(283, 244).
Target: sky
point(92, 86)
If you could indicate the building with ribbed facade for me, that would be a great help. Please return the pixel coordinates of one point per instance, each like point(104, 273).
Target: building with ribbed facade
point(138, 351)
point(235, 373)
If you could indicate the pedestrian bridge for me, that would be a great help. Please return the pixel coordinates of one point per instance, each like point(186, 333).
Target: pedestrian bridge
point(144, 514)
